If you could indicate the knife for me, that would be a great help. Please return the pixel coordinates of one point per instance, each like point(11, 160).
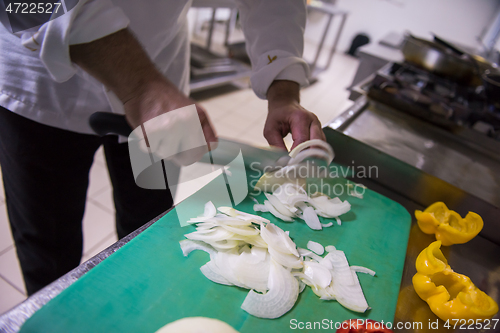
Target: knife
point(266, 159)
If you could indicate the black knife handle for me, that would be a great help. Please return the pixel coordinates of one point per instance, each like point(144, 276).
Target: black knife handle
point(104, 123)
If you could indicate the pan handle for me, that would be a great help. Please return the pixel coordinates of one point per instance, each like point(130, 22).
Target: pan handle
point(104, 123)
point(448, 45)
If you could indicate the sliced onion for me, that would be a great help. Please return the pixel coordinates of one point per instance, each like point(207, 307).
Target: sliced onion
point(325, 262)
point(335, 200)
point(312, 152)
point(307, 144)
point(266, 260)
point(309, 254)
point(243, 215)
point(234, 222)
point(280, 207)
point(302, 286)
point(253, 240)
point(351, 190)
point(339, 222)
point(293, 200)
point(355, 194)
point(212, 273)
point(210, 210)
point(330, 248)
point(287, 260)
point(361, 269)
point(316, 247)
point(318, 274)
point(244, 231)
point(275, 237)
point(330, 207)
point(252, 269)
point(222, 262)
point(345, 283)
point(325, 294)
point(187, 246)
point(282, 294)
point(311, 219)
point(216, 235)
point(225, 244)
point(273, 211)
point(260, 208)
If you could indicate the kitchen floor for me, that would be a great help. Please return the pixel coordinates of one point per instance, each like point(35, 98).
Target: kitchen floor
point(236, 113)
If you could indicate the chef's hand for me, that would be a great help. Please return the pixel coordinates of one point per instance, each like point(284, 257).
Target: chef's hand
point(286, 115)
point(158, 98)
point(121, 64)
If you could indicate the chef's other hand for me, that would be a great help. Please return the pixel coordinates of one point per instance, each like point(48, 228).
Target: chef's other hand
point(286, 115)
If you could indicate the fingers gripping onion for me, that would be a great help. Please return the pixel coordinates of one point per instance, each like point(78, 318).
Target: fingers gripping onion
point(270, 180)
point(319, 153)
point(307, 144)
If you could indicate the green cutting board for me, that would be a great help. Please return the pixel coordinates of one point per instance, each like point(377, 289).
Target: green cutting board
point(149, 283)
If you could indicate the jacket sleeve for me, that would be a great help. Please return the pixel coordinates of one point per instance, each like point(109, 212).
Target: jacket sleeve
point(274, 33)
point(87, 21)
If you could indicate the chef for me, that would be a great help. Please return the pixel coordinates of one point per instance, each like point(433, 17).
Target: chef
point(128, 57)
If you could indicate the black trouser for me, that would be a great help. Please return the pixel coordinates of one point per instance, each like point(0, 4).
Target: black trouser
point(45, 175)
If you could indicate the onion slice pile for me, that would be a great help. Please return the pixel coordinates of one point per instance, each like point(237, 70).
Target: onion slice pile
point(281, 297)
point(290, 201)
point(331, 278)
point(250, 252)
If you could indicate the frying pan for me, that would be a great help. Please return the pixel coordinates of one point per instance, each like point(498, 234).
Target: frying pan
point(443, 59)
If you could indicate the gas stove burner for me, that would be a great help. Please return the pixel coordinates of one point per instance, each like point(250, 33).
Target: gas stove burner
point(444, 91)
point(438, 100)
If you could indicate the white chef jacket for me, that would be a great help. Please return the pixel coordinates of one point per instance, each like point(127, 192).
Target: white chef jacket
point(39, 81)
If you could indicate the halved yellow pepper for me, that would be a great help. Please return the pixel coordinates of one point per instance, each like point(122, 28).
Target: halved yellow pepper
point(449, 227)
point(449, 295)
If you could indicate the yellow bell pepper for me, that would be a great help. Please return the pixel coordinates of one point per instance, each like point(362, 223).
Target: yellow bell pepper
point(449, 227)
point(449, 295)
